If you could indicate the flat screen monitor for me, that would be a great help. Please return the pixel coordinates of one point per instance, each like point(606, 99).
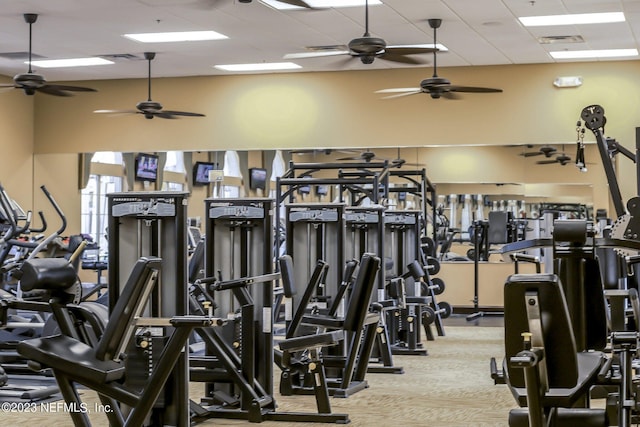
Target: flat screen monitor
point(322, 190)
point(257, 178)
point(146, 167)
point(201, 172)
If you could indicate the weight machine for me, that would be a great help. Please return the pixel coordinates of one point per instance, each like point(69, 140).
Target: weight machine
point(153, 224)
point(365, 234)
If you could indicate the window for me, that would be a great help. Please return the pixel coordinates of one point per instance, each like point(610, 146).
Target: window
point(174, 180)
point(231, 169)
point(94, 212)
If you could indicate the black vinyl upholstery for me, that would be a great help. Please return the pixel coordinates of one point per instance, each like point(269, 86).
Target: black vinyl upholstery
point(570, 372)
point(47, 274)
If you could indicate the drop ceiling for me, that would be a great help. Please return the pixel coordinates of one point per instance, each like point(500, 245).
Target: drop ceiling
point(476, 32)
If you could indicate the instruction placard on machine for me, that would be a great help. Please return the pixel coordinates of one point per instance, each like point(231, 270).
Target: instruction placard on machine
point(236, 211)
point(151, 208)
point(314, 215)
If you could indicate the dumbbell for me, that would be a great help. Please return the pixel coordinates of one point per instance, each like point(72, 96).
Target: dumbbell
point(429, 314)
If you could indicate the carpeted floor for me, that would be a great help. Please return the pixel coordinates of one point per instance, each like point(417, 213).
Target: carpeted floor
point(449, 387)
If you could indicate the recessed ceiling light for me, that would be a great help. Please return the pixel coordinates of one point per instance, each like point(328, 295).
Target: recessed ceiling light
point(572, 19)
point(263, 66)
point(605, 53)
point(74, 62)
point(320, 4)
point(177, 36)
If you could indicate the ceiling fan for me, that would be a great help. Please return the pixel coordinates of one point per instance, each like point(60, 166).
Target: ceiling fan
point(435, 86)
point(561, 158)
point(366, 48)
point(546, 150)
point(31, 82)
point(369, 156)
point(149, 108)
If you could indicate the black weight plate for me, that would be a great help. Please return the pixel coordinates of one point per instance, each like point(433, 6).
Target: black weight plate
point(446, 309)
point(438, 285)
point(433, 266)
point(428, 315)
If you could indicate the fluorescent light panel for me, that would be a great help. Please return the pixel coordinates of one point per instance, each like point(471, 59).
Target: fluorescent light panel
point(263, 66)
point(177, 36)
point(605, 53)
point(320, 4)
point(73, 62)
point(572, 19)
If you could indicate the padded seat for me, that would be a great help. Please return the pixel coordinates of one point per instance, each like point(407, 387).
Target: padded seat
point(71, 357)
point(588, 366)
point(307, 341)
point(536, 304)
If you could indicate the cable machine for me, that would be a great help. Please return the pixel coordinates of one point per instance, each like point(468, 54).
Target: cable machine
point(238, 244)
point(153, 224)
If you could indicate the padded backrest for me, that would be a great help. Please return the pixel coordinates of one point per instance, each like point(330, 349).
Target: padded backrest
point(347, 278)
point(287, 275)
point(611, 267)
point(130, 305)
point(583, 290)
point(361, 294)
point(314, 281)
point(557, 331)
point(196, 262)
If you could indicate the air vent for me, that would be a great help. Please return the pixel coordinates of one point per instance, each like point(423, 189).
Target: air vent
point(122, 57)
point(560, 39)
point(18, 56)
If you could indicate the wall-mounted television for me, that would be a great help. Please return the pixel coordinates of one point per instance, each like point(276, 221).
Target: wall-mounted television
point(146, 167)
point(201, 172)
point(257, 178)
point(322, 190)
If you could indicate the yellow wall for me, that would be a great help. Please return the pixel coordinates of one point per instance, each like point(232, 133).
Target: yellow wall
point(340, 110)
point(17, 145)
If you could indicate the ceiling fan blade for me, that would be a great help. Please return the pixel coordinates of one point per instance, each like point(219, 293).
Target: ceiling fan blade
point(532, 154)
point(455, 88)
point(315, 54)
point(400, 92)
point(116, 111)
point(394, 57)
point(52, 90)
point(182, 113)
point(400, 95)
point(546, 162)
point(410, 50)
point(317, 48)
point(71, 88)
point(299, 3)
point(444, 93)
point(162, 114)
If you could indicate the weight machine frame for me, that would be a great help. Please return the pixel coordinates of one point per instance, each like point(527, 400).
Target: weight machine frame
point(154, 224)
